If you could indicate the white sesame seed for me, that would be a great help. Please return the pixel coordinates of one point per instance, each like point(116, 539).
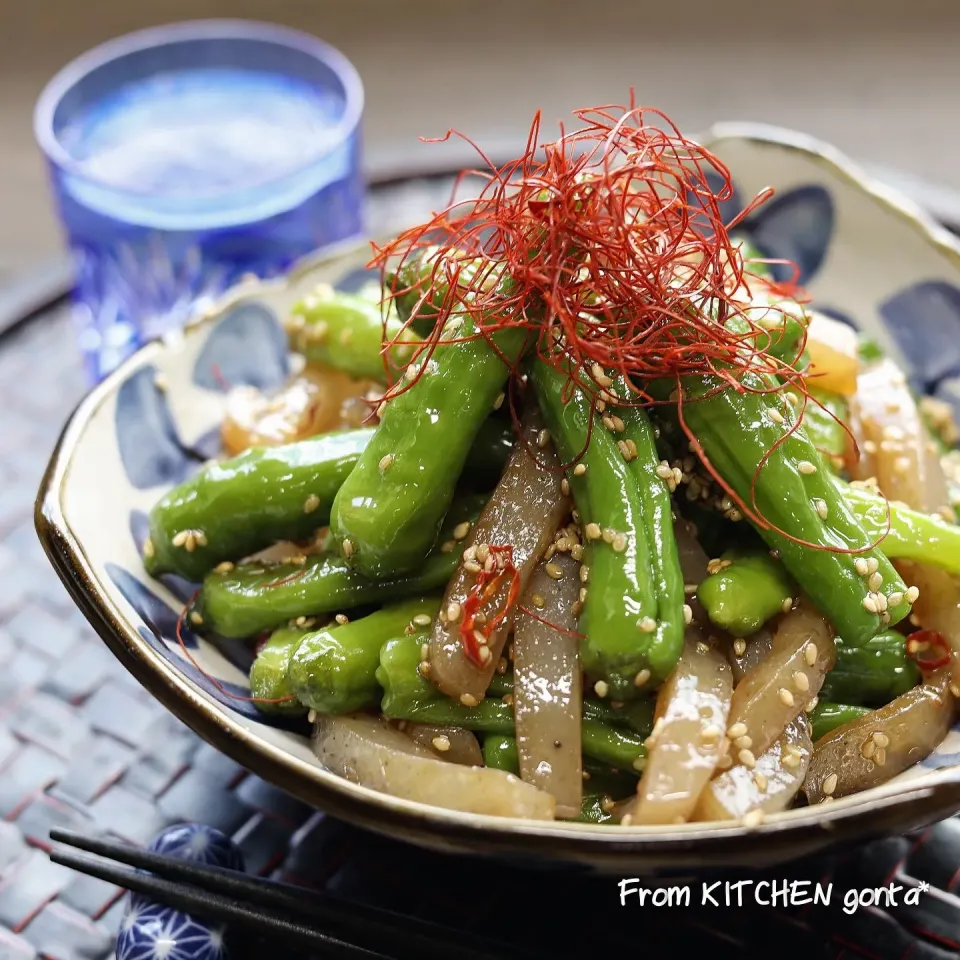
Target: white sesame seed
point(786, 697)
point(912, 594)
point(870, 604)
point(860, 565)
point(881, 601)
point(955, 689)
point(743, 743)
point(710, 733)
point(687, 614)
point(553, 571)
point(311, 503)
point(880, 757)
point(180, 538)
point(753, 818)
point(873, 564)
point(196, 618)
point(801, 681)
point(424, 651)
point(584, 573)
point(830, 784)
point(423, 619)
point(775, 415)
point(747, 758)
point(881, 740)
point(498, 403)
point(868, 749)
point(224, 567)
point(806, 467)
point(787, 604)
point(461, 530)
point(483, 552)
point(593, 531)
point(347, 547)
point(895, 598)
point(875, 582)
point(601, 689)
point(485, 655)
point(822, 509)
point(647, 624)
point(468, 699)
point(386, 462)
point(641, 678)
point(760, 780)
point(737, 730)
point(453, 611)
point(311, 716)
point(543, 438)
point(740, 647)
point(565, 487)
point(579, 470)
point(791, 761)
point(148, 548)
point(441, 743)
point(342, 618)
point(619, 543)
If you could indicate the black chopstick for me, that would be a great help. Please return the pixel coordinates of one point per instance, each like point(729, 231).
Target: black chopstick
point(372, 927)
point(215, 907)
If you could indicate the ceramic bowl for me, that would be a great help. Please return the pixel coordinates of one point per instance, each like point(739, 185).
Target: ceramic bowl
point(866, 255)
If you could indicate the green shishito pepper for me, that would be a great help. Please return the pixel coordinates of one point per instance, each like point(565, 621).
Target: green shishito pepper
point(872, 674)
point(387, 514)
point(268, 674)
point(414, 278)
point(408, 696)
point(346, 331)
point(252, 597)
point(500, 752)
point(749, 589)
point(826, 717)
point(740, 429)
point(236, 507)
point(823, 420)
point(621, 614)
point(334, 670)
point(233, 508)
point(912, 536)
point(657, 514)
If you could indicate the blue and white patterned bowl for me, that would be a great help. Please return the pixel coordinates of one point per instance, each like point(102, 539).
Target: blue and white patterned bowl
point(867, 256)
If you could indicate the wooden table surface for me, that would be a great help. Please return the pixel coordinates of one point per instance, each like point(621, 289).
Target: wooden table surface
point(880, 78)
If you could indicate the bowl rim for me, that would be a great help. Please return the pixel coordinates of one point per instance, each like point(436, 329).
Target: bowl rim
point(892, 807)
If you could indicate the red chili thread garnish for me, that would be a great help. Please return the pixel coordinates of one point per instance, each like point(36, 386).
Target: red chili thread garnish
point(548, 623)
point(610, 246)
point(484, 590)
point(219, 377)
point(216, 683)
point(928, 649)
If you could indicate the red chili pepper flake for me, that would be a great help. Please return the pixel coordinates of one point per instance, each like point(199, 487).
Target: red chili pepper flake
point(484, 590)
point(928, 649)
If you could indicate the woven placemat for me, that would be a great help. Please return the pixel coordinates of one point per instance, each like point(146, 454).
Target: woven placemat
point(83, 746)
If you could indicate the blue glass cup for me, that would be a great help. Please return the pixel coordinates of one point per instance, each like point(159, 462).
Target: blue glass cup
point(184, 157)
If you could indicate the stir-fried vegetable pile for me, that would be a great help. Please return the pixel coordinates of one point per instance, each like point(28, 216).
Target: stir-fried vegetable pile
point(592, 520)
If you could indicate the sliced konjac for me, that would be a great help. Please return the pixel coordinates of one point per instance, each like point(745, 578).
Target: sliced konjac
point(523, 513)
point(876, 747)
point(687, 740)
point(938, 605)
point(365, 750)
point(769, 787)
point(309, 404)
point(754, 650)
point(693, 564)
point(547, 692)
point(782, 685)
point(453, 744)
point(895, 446)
